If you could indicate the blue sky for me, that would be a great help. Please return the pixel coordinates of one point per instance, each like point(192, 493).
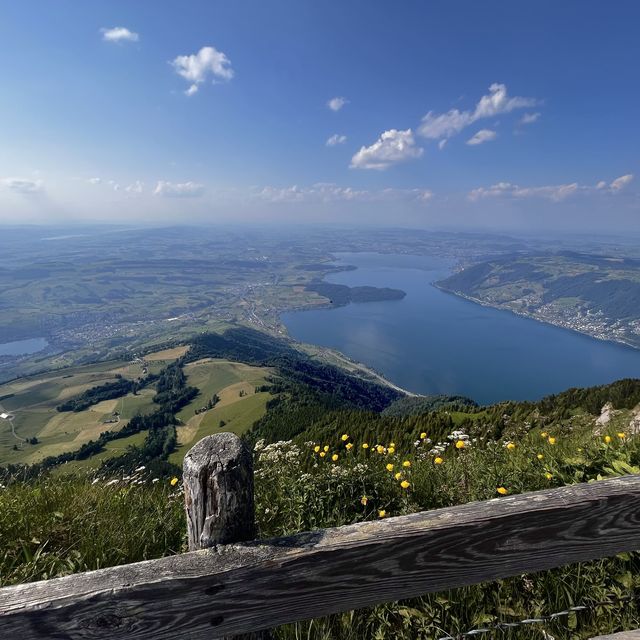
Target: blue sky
point(465, 114)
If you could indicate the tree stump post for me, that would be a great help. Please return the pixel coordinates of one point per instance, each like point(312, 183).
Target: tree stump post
point(218, 492)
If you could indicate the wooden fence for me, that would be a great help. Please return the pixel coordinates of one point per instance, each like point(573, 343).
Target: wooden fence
point(236, 585)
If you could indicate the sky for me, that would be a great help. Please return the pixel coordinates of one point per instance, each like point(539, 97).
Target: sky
point(420, 113)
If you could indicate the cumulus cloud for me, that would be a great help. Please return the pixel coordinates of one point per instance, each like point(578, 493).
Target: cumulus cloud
point(335, 104)
point(621, 182)
point(445, 125)
point(22, 185)
point(135, 187)
point(328, 192)
point(198, 67)
point(94, 180)
point(119, 34)
point(178, 189)
point(556, 193)
point(390, 148)
point(484, 135)
point(336, 139)
point(530, 118)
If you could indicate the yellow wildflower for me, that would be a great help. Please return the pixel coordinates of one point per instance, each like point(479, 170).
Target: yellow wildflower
point(326, 447)
point(364, 500)
point(621, 435)
point(544, 434)
point(405, 485)
point(391, 450)
point(392, 445)
point(406, 463)
point(389, 467)
point(460, 444)
point(174, 481)
point(552, 440)
point(502, 491)
point(380, 449)
point(322, 454)
point(365, 445)
point(382, 513)
point(335, 457)
point(540, 456)
point(345, 437)
point(548, 475)
point(511, 446)
point(348, 446)
point(607, 439)
point(423, 436)
point(398, 475)
point(438, 460)
point(317, 448)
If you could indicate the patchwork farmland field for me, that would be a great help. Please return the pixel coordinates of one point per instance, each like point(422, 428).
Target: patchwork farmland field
point(33, 401)
point(39, 430)
point(238, 407)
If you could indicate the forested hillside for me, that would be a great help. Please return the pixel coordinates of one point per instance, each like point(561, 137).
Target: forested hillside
point(595, 294)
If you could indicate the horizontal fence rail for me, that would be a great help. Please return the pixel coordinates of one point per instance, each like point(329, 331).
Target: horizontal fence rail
point(240, 588)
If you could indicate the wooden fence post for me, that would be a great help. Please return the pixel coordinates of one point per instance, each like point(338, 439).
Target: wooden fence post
point(218, 493)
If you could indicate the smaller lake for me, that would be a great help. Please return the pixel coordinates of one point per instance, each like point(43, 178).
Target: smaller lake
point(435, 342)
point(23, 347)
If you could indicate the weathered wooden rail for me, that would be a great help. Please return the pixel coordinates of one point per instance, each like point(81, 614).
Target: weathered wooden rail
point(248, 586)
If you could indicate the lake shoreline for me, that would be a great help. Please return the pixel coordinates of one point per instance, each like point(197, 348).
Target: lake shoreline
point(530, 316)
point(434, 342)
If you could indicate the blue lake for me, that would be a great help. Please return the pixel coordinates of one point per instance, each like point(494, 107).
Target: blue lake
point(22, 347)
point(434, 342)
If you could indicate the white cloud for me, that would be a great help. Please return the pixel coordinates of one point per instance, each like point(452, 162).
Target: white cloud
point(335, 104)
point(114, 185)
point(178, 189)
point(446, 125)
point(530, 118)
point(336, 139)
point(198, 67)
point(324, 192)
point(119, 34)
point(501, 189)
point(556, 193)
point(135, 187)
point(94, 180)
point(621, 182)
point(442, 144)
point(390, 148)
point(22, 185)
point(484, 135)
point(498, 101)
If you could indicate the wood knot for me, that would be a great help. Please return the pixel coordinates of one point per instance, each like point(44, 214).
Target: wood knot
point(107, 621)
point(212, 590)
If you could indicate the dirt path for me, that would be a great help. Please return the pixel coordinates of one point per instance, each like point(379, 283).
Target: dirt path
point(13, 427)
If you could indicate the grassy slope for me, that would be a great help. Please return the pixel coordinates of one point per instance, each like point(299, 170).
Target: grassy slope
point(33, 401)
point(226, 379)
point(64, 525)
